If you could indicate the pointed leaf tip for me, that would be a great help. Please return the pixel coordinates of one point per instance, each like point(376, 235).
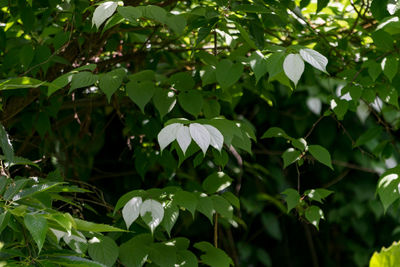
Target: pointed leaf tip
point(293, 66)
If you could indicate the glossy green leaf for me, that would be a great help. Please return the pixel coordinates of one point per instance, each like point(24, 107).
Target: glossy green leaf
point(292, 198)
point(216, 182)
point(37, 226)
point(186, 200)
point(314, 214)
point(321, 154)
point(103, 249)
point(228, 73)
point(191, 101)
point(111, 81)
point(388, 187)
point(140, 245)
point(290, 156)
point(140, 93)
point(213, 256)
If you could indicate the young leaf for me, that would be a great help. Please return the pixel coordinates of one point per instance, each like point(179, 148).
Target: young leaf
point(314, 214)
point(318, 194)
point(386, 257)
point(292, 198)
point(200, 135)
point(293, 67)
point(216, 182)
point(216, 138)
point(321, 154)
point(152, 213)
point(258, 64)
point(168, 134)
point(131, 210)
point(103, 12)
point(103, 249)
point(183, 137)
point(37, 226)
point(315, 59)
point(289, 156)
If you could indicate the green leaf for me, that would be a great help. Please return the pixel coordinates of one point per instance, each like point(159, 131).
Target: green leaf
point(228, 73)
point(388, 187)
point(14, 188)
point(182, 81)
point(103, 249)
point(290, 156)
point(300, 144)
point(374, 69)
point(164, 101)
point(95, 227)
point(140, 93)
point(156, 13)
point(130, 13)
point(6, 145)
point(177, 23)
point(211, 108)
point(186, 200)
point(222, 206)
point(208, 76)
point(340, 107)
point(163, 255)
point(3, 184)
point(216, 182)
point(234, 200)
point(37, 226)
point(383, 40)
point(271, 225)
point(82, 79)
point(318, 194)
point(367, 136)
point(171, 214)
point(35, 189)
point(20, 83)
point(292, 198)
point(321, 154)
point(314, 214)
point(140, 245)
point(185, 258)
point(390, 67)
point(321, 4)
point(258, 64)
point(74, 261)
point(111, 81)
point(389, 95)
point(213, 256)
point(26, 55)
point(387, 257)
point(4, 220)
point(378, 9)
point(275, 132)
point(205, 206)
point(191, 102)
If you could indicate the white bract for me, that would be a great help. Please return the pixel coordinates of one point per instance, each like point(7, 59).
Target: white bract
point(293, 66)
point(200, 135)
point(314, 58)
point(168, 134)
point(103, 12)
point(183, 137)
point(131, 210)
point(203, 135)
point(156, 211)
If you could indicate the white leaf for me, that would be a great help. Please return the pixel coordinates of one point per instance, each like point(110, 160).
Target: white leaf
point(293, 67)
point(183, 138)
point(103, 12)
point(131, 211)
point(314, 104)
point(156, 211)
point(362, 111)
point(314, 58)
point(216, 138)
point(200, 135)
point(168, 134)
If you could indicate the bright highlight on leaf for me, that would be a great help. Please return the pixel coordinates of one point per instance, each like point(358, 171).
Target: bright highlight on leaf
point(103, 12)
point(131, 211)
point(293, 66)
point(152, 213)
point(315, 59)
